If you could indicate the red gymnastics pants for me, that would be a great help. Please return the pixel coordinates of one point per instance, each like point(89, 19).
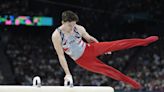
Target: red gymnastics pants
point(90, 61)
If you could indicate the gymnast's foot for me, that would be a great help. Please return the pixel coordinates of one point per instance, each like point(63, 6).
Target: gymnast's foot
point(151, 39)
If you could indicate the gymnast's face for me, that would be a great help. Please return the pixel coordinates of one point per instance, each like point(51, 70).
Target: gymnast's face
point(70, 24)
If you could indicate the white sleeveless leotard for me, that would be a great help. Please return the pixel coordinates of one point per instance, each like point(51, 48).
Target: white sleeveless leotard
point(73, 45)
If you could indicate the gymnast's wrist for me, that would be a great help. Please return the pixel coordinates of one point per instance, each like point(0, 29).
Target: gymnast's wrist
point(68, 75)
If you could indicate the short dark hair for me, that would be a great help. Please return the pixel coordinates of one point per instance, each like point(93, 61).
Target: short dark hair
point(69, 16)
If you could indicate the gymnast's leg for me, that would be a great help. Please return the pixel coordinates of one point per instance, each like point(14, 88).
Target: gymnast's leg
point(103, 47)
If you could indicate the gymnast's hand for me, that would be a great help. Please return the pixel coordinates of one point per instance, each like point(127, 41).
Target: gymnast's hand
point(68, 80)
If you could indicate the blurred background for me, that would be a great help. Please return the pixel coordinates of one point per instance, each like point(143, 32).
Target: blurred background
point(26, 48)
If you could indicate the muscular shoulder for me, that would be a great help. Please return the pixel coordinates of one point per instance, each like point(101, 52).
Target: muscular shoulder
point(80, 29)
point(55, 35)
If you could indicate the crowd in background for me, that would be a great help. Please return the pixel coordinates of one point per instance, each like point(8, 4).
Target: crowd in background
point(32, 54)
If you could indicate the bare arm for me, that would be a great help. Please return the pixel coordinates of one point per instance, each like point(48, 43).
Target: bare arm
point(86, 36)
point(59, 50)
